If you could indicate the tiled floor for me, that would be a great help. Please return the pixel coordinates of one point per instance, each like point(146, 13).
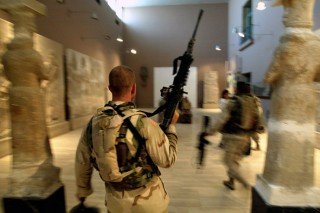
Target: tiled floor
point(191, 190)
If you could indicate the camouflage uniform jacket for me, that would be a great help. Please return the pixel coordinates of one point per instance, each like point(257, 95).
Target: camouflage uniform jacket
point(237, 115)
point(161, 146)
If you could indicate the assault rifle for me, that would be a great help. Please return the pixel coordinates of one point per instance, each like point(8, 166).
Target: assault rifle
point(175, 92)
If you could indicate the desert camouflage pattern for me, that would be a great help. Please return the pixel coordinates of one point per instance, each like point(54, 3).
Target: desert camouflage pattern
point(161, 146)
point(236, 143)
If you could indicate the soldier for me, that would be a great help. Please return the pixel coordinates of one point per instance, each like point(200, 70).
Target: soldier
point(126, 147)
point(238, 121)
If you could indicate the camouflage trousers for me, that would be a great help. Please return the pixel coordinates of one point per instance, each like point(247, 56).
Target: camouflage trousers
point(150, 198)
point(235, 145)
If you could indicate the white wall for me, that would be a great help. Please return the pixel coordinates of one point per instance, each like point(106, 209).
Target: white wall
point(162, 76)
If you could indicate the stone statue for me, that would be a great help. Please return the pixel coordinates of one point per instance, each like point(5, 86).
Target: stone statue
point(33, 174)
point(50, 86)
point(289, 166)
point(4, 105)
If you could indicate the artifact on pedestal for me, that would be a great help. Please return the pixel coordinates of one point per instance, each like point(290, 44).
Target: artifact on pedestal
point(211, 90)
point(34, 181)
point(288, 177)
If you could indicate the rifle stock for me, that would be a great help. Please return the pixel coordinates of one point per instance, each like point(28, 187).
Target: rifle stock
point(176, 89)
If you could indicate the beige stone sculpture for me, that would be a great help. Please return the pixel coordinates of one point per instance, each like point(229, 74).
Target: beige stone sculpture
point(288, 177)
point(51, 87)
point(33, 173)
point(5, 129)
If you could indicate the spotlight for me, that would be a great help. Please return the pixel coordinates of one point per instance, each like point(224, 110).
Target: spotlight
point(119, 39)
point(261, 5)
point(241, 34)
point(217, 48)
point(133, 51)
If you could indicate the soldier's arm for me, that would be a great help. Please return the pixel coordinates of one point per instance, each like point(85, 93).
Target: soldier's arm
point(83, 167)
point(161, 146)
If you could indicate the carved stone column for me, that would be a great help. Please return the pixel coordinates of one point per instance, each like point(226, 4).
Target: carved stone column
point(34, 182)
point(288, 178)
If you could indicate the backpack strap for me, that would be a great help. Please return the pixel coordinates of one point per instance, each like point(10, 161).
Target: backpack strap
point(139, 138)
point(90, 143)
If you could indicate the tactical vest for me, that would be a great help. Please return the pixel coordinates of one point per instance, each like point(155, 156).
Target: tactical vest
point(111, 151)
point(244, 115)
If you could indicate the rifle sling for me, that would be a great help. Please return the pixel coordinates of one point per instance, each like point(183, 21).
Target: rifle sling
point(157, 111)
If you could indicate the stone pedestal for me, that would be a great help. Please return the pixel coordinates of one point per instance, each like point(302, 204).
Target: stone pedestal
point(259, 205)
point(52, 203)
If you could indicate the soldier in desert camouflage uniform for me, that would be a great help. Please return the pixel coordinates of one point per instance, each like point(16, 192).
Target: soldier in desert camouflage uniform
point(239, 120)
point(127, 166)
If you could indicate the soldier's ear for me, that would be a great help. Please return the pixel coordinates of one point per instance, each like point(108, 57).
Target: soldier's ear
point(133, 89)
point(110, 88)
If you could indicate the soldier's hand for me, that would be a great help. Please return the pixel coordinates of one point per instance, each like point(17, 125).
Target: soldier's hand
point(175, 117)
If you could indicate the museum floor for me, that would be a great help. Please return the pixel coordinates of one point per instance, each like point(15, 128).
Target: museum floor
point(191, 190)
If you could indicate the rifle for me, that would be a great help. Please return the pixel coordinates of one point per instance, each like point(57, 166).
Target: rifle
point(175, 92)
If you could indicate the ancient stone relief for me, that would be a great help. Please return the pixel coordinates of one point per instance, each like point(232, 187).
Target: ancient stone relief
point(86, 84)
point(54, 89)
point(6, 35)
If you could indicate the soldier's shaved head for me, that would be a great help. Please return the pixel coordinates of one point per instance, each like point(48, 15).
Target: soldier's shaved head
point(121, 79)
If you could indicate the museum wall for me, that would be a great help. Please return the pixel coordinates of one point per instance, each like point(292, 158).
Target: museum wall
point(71, 25)
point(160, 34)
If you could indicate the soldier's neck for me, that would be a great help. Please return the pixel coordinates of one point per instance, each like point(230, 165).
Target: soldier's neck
point(125, 98)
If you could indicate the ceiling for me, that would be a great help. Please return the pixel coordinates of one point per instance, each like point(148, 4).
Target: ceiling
point(145, 3)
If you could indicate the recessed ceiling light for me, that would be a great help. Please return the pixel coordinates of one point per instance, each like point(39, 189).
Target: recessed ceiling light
point(241, 34)
point(261, 5)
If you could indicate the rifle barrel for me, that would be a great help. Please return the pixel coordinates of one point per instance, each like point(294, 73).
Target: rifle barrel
point(196, 29)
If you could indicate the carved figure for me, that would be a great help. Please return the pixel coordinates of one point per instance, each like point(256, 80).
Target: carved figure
point(33, 173)
point(4, 105)
point(51, 87)
point(292, 73)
